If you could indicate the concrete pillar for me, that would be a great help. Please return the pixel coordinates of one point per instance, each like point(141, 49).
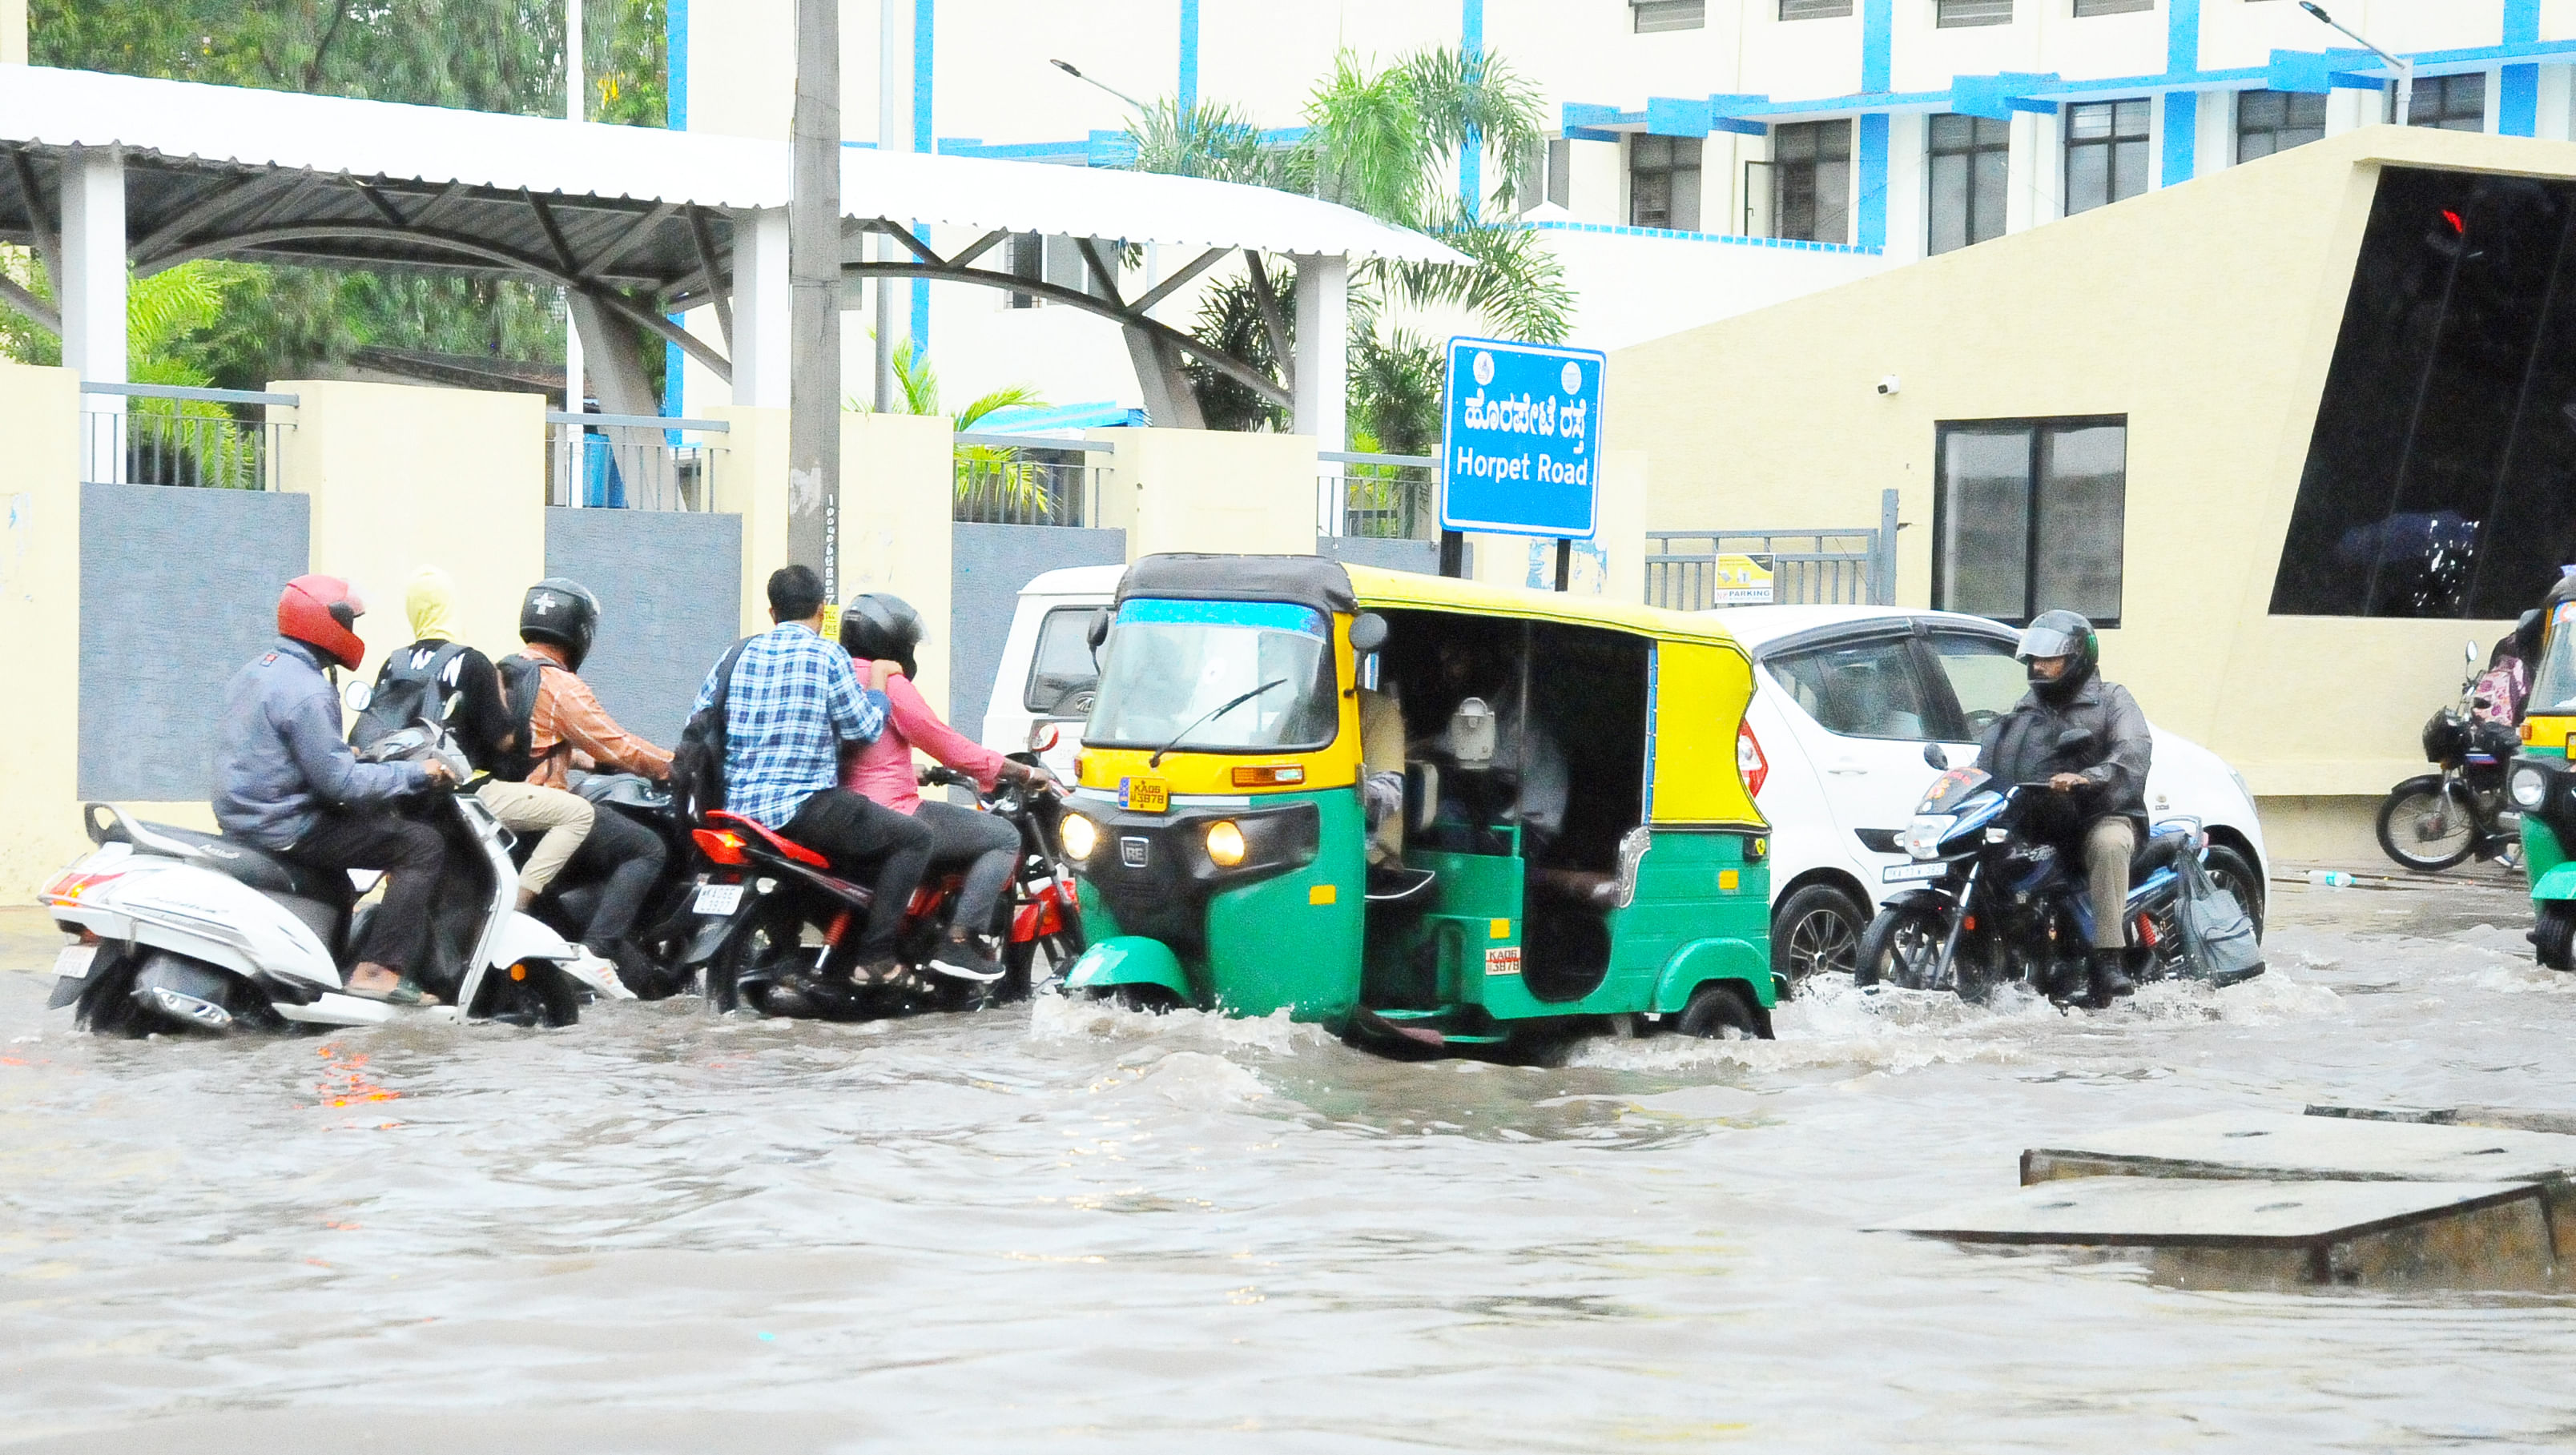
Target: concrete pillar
point(92, 296)
point(13, 32)
point(40, 827)
point(1323, 343)
point(760, 309)
point(402, 478)
point(751, 482)
point(901, 465)
point(2034, 191)
point(1210, 490)
point(609, 358)
point(2554, 104)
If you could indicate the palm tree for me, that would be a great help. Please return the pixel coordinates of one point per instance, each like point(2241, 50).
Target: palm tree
point(991, 479)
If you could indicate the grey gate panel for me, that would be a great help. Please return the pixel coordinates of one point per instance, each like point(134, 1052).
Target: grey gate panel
point(669, 584)
point(178, 588)
point(988, 566)
point(1386, 553)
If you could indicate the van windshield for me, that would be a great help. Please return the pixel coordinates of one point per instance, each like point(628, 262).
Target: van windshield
point(1170, 668)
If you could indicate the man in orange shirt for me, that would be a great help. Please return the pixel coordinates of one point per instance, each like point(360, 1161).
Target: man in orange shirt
point(568, 728)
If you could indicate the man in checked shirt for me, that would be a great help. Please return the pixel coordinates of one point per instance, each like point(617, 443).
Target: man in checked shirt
point(794, 699)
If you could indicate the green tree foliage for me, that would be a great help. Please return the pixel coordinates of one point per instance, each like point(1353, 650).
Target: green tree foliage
point(987, 475)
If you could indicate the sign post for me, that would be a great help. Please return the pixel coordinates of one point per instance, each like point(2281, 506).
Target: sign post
point(1520, 451)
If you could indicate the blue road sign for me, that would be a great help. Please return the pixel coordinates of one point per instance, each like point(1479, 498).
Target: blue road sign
point(1521, 454)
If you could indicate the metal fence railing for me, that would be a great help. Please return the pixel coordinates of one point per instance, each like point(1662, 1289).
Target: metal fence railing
point(633, 461)
point(1696, 570)
point(1387, 497)
point(162, 434)
point(1027, 480)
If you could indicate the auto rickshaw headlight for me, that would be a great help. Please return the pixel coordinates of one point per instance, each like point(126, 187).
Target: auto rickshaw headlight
point(2529, 787)
point(1080, 836)
point(1225, 843)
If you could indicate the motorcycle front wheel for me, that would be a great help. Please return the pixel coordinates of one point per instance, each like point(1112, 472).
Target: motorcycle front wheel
point(2428, 824)
point(1902, 947)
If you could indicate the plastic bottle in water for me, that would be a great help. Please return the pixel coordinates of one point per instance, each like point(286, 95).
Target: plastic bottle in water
point(2329, 879)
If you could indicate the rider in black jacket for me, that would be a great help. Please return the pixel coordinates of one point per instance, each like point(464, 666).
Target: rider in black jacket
point(2104, 771)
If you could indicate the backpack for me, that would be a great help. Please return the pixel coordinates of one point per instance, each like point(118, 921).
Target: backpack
point(413, 685)
point(520, 676)
point(698, 762)
point(2217, 934)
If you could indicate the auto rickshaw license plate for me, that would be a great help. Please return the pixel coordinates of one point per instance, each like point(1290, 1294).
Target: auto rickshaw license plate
point(1144, 795)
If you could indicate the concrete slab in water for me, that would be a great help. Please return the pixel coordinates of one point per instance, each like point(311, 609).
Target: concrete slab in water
point(2272, 1145)
point(2514, 1118)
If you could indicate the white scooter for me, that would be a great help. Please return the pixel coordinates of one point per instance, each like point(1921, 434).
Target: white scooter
point(179, 930)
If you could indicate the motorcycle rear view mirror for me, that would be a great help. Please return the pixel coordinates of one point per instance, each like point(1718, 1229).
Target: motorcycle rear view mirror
point(1936, 757)
point(2473, 651)
point(357, 694)
point(1098, 631)
point(1368, 632)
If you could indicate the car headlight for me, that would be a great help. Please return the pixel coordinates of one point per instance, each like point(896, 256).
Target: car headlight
point(1225, 843)
point(2529, 787)
point(1080, 835)
point(1922, 838)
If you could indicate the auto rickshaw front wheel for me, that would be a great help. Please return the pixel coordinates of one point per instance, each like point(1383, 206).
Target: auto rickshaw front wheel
point(1723, 1010)
point(2554, 937)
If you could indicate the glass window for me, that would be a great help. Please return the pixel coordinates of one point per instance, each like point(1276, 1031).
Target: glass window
point(1814, 9)
point(1860, 689)
point(1984, 678)
point(2028, 516)
point(1811, 181)
point(2085, 8)
point(1649, 16)
point(2450, 103)
point(1062, 675)
point(2438, 473)
point(1948, 13)
point(1215, 675)
point(1663, 182)
point(2106, 153)
point(2275, 121)
point(1971, 162)
point(2553, 687)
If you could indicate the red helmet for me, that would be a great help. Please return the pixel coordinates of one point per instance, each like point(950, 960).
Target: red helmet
point(320, 611)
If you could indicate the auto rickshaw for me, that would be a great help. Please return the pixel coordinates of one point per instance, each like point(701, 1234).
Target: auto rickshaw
point(2543, 786)
point(1574, 848)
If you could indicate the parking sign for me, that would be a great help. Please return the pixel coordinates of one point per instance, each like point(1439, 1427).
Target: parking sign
point(1521, 453)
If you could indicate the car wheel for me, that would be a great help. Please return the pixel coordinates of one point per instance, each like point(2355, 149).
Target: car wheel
point(1816, 930)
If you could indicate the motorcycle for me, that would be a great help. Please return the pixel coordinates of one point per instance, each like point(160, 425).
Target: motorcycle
point(177, 930)
point(666, 924)
point(2432, 822)
point(767, 895)
point(2001, 905)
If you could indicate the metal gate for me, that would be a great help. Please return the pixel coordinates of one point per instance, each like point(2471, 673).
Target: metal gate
point(1693, 570)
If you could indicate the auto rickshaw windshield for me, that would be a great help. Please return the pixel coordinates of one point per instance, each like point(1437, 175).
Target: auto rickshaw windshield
point(1216, 675)
point(2553, 685)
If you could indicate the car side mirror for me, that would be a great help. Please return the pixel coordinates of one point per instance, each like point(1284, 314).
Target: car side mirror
point(2074, 738)
point(1368, 632)
point(1936, 757)
point(357, 694)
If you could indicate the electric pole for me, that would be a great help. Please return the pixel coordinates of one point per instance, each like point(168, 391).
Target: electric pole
point(814, 298)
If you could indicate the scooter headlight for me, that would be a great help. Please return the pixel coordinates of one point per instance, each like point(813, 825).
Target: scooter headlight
point(1922, 838)
point(2529, 787)
point(1080, 835)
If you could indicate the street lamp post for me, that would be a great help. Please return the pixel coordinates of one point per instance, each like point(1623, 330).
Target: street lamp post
point(1071, 70)
point(2405, 69)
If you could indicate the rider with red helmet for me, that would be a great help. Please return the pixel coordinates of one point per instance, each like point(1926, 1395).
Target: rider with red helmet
point(286, 782)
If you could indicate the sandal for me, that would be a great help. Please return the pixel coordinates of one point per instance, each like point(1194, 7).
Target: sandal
point(402, 993)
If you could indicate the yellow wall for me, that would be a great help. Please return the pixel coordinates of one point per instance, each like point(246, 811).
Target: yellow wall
point(402, 478)
point(1208, 490)
point(898, 491)
point(751, 482)
point(39, 625)
point(13, 32)
point(2207, 314)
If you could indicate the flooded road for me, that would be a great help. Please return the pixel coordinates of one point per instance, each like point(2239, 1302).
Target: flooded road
point(1074, 1229)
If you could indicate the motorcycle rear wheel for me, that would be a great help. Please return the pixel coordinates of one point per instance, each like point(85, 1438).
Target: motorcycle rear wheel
point(2429, 824)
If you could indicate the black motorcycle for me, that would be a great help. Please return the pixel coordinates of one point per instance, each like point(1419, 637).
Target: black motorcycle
point(2001, 903)
point(2432, 822)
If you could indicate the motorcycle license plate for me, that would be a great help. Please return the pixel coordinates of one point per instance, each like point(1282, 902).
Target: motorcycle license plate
point(1144, 795)
point(1914, 873)
point(74, 962)
point(718, 899)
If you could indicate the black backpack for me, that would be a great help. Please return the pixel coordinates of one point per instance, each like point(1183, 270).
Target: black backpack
point(697, 764)
point(413, 685)
point(520, 674)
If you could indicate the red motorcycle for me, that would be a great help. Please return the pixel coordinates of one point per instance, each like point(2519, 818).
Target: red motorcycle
point(783, 920)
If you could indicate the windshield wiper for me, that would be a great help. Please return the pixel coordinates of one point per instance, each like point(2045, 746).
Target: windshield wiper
point(1211, 715)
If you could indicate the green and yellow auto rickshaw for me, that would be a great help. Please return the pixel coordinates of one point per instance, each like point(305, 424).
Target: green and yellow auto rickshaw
point(2542, 784)
point(1421, 811)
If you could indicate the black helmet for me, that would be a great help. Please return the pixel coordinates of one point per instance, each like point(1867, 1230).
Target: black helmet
point(2060, 634)
point(880, 627)
point(562, 611)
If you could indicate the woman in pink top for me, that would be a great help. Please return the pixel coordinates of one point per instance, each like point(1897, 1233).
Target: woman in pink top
point(880, 628)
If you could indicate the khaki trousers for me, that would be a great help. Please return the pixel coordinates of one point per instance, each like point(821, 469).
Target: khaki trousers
point(524, 808)
point(2108, 847)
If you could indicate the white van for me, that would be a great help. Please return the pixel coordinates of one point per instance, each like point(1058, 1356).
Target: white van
point(1043, 688)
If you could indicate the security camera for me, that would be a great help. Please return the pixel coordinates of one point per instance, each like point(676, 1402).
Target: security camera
point(1888, 384)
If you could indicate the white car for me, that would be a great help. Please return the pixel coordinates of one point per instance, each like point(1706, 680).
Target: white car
point(1849, 696)
point(1043, 688)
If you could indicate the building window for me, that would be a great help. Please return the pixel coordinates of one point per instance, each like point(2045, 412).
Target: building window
point(2451, 103)
point(1947, 13)
point(2027, 517)
point(1663, 182)
point(1971, 161)
point(2088, 8)
point(2436, 482)
point(2106, 153)
point(1811, 181)
point(1814, 9)
point(1547, 179)
point(1650, 16)
point(2275, 121)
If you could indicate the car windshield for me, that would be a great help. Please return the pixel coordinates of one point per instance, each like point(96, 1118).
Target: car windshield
point(1170, 669)
point(2553, 687)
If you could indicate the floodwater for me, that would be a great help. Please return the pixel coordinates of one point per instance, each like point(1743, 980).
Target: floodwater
point(1068, 1228)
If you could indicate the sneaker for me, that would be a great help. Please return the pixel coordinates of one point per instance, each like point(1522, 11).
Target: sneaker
point(964, 960)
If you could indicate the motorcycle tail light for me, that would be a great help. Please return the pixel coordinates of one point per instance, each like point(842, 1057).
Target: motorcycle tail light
point(723, 846)
point(1969, 923)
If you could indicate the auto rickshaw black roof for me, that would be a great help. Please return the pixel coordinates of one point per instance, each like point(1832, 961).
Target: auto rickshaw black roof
point(2565, 590)
point(1307, 580)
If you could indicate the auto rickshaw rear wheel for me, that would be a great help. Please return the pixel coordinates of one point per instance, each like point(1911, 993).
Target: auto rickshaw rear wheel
point(1722, 1010)
point(2554, 937)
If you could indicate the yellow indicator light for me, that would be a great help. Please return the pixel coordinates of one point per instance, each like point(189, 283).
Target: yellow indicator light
point(1502, 929)
point(1080, 835)
point(1728, 879)
point(1322, 894)
point(1225, 843)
